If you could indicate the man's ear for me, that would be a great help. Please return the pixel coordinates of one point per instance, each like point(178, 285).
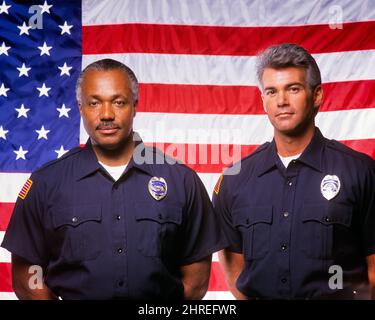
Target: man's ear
point(318, 96)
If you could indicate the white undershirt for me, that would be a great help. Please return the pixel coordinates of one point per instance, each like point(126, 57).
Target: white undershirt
point(115, 172)
point(287, 160)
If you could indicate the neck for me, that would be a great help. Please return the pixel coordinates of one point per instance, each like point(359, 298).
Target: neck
point(288, 146)
point(118, 156)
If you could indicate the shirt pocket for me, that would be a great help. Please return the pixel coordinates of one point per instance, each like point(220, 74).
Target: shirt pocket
point(77, 232)
point(254, 223)
point(325, 229)
point(157, 228)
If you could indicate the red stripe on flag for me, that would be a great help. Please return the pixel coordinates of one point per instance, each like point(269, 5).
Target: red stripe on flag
point(210, 99)
point(5, 277)
point(220, 40)
point(6, 210)
point(217, 282)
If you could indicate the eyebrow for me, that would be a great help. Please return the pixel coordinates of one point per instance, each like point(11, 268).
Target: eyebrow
point(287, 85)
point(115, 96)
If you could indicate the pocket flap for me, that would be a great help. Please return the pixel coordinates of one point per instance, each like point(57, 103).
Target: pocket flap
point(74, 216)
point(247, 216)
point(331, 213)
point(161, 213)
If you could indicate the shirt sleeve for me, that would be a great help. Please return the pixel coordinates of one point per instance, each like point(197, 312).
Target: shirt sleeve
point(201, 230)
point(24, 236)
point(367, 208)
point(222, 203)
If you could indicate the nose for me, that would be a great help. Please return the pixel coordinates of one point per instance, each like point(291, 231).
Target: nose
point(106, 112)
point(282, 99)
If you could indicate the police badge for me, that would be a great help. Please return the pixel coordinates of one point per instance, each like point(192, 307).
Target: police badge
point(157, 188)
point(330, 186)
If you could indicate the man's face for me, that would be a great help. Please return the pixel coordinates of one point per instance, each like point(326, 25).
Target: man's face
point(107, 108)
point(288, 100)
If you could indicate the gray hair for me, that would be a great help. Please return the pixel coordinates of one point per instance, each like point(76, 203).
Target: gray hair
point(289, 55)
point(106, 65)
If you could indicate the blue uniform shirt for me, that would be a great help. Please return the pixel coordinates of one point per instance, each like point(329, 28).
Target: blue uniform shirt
point(101, 239)
point(289, 233)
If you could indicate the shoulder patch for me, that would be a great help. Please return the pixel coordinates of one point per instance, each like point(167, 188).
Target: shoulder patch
point(218, 184)
point(25, 189)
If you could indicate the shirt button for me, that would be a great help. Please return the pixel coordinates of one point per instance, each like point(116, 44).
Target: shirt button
point(74, 219)
point(283, 280)
point(290, 183)
point(118, 217)
point(119, 250)
point(327, 219)
point(283, 247)
point(286, 214)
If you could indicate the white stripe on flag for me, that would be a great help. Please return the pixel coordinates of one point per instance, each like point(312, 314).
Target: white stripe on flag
point(224, 12)
point(8, 296)
point(233, 70)
point(10, 185)
point(218, 295)
point(5, 255)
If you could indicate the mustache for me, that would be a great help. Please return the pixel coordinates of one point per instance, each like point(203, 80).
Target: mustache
point(107, 125)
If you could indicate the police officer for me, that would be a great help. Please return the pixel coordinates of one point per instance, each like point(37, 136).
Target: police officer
point(114, 219)
point(300, 215)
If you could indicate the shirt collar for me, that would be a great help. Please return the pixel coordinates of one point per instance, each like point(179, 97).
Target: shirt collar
point(311, 156)
point(143, 158)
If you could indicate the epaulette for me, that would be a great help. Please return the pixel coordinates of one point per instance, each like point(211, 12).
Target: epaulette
point(63, 157)
point(338, 146)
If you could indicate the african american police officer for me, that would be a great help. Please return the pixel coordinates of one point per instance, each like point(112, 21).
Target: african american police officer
point(102, 222)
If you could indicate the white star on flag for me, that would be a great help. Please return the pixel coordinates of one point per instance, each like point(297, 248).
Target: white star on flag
point(61, 152)
point(42, 133)
point(22, 111)
point(65, 28)
point(20, 153)
point(63, 111)
point(3, 133)
point(44, 49)
point(24, 29)
point(3, 90)
point(43, 90)
point(45, 7)
point(24, 71)
point(65, 69)
point(4, 8)
point(4, 49)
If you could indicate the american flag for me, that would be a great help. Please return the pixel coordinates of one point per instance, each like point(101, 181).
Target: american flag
point(195, 63)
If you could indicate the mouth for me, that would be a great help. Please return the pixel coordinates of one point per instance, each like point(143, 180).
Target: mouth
point(108, 130)
point(284, 114)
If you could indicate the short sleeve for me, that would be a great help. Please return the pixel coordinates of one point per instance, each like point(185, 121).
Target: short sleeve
point(222, 203)
point(367, 208)
point(24, 236)
point(201, 232)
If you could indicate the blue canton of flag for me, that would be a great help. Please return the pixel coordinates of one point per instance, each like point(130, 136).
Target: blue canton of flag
point(40, 60)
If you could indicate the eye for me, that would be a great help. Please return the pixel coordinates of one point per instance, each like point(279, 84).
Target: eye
point(93, 103)
point(294, 89)
point(119, 103)
point(270, 92)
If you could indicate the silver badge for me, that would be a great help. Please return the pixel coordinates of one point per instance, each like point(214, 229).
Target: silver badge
point(157, 188)
point(330, 186)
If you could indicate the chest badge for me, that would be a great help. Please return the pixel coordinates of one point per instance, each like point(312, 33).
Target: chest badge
point(157, 188)
point(330, 186)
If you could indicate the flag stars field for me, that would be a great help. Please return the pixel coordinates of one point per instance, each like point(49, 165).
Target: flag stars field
point(23, 70)
point(44, 50)
point(4, 8)
point(65, 28)
point(65, 69)
point(24, 29)
point(3, 90)
point(20, 153)
point(4, 49)
point(3, 133)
